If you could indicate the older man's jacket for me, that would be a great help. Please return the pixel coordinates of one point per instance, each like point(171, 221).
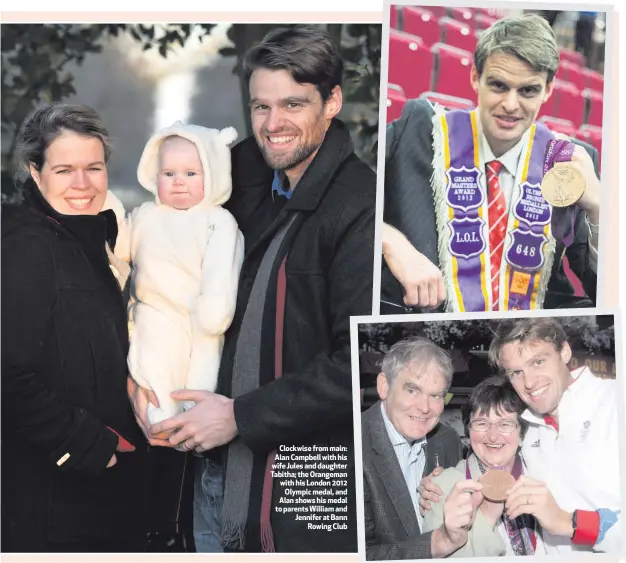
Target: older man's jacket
point(391, 528)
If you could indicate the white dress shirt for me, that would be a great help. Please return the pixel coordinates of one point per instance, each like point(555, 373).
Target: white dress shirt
point(412, 459)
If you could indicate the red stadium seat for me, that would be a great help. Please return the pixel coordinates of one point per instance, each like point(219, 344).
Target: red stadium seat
point(593, 80)
point(437, 11)
point(396, 88)
point(595, 105)
point(395, 102)
point(572, 56)
point(458, 34)
point(484, 21)
point(548, 108)
point(452, 71)
point(592, 135)
point(573, 73)
point(393, 17)
point(570, 104)
point(410, 63)
point(495, 13)
point(448, 102)
point(465, 15)
point(422, 23)
point(557, 125)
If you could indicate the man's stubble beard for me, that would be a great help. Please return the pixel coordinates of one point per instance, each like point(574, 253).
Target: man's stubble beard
point(289, 162)
point(301, 153)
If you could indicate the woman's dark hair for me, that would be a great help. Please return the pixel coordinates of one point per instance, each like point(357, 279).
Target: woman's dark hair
point(307, 52)
point(43, 125)
point(496, 393)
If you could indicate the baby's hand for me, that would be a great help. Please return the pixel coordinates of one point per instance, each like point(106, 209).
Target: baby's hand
point(139, 399)
point(163, 435)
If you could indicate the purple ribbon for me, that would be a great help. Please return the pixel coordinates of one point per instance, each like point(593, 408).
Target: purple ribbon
point(467, 230)
point(529, 235)
point(560, 150)
point(516, 471)
point(467, 238)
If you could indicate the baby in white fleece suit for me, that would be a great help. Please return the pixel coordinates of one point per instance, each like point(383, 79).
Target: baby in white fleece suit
point(186, 251)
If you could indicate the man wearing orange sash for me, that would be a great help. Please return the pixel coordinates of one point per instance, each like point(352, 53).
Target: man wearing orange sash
point(467, 222)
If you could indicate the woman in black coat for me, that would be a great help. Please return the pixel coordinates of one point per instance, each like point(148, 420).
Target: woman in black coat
point(73, 458)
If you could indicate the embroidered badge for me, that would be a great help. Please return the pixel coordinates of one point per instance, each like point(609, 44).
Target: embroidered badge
point(466, 237)
point(463, 190)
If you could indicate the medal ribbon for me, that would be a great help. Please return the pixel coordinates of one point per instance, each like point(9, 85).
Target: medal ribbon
point(560, 150)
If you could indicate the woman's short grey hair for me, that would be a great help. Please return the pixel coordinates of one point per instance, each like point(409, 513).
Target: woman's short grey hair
point(418, 352)
point(528, 37)
point(43, 125)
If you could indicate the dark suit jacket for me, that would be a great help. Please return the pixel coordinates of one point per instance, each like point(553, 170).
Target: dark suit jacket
point(391, 527)
point(409, 208)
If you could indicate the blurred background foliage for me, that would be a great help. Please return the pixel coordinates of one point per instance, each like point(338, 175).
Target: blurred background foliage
point(37, 63)
point(590, 334)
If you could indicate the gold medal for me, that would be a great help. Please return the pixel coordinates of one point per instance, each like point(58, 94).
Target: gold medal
point(563, 185)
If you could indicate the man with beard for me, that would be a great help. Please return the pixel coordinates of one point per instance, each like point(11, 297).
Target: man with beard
point(305, 204)
point(466, 220)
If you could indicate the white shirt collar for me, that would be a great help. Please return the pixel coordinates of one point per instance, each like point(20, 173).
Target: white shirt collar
point(396, 438)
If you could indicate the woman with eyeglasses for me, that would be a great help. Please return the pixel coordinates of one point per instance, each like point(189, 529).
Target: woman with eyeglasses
point(492, 419)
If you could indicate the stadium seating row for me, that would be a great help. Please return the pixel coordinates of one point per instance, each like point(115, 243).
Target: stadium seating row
point(416, 20)
point(452, 28)
point(396, 98)
point(445, 69)
point(477, 18)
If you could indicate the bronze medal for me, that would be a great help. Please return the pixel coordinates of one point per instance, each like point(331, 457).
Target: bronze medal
point(563, 185)
point(496, 482)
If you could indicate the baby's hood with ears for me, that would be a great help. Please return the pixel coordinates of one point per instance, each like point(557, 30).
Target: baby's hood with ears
point(214, 151)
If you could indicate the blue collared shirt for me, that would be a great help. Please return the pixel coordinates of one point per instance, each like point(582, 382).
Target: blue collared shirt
point(277, 187)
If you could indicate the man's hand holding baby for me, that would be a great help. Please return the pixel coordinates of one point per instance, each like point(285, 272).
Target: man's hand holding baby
point(207, 425)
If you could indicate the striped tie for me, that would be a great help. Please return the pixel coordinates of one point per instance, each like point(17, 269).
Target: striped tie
point(497, 225)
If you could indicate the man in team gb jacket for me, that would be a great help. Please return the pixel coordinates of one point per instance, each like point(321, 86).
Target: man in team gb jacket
point(571, 447)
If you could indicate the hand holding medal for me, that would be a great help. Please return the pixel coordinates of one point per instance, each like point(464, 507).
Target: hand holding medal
point(530, 496)
point(563, 183)
point(569, 178)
